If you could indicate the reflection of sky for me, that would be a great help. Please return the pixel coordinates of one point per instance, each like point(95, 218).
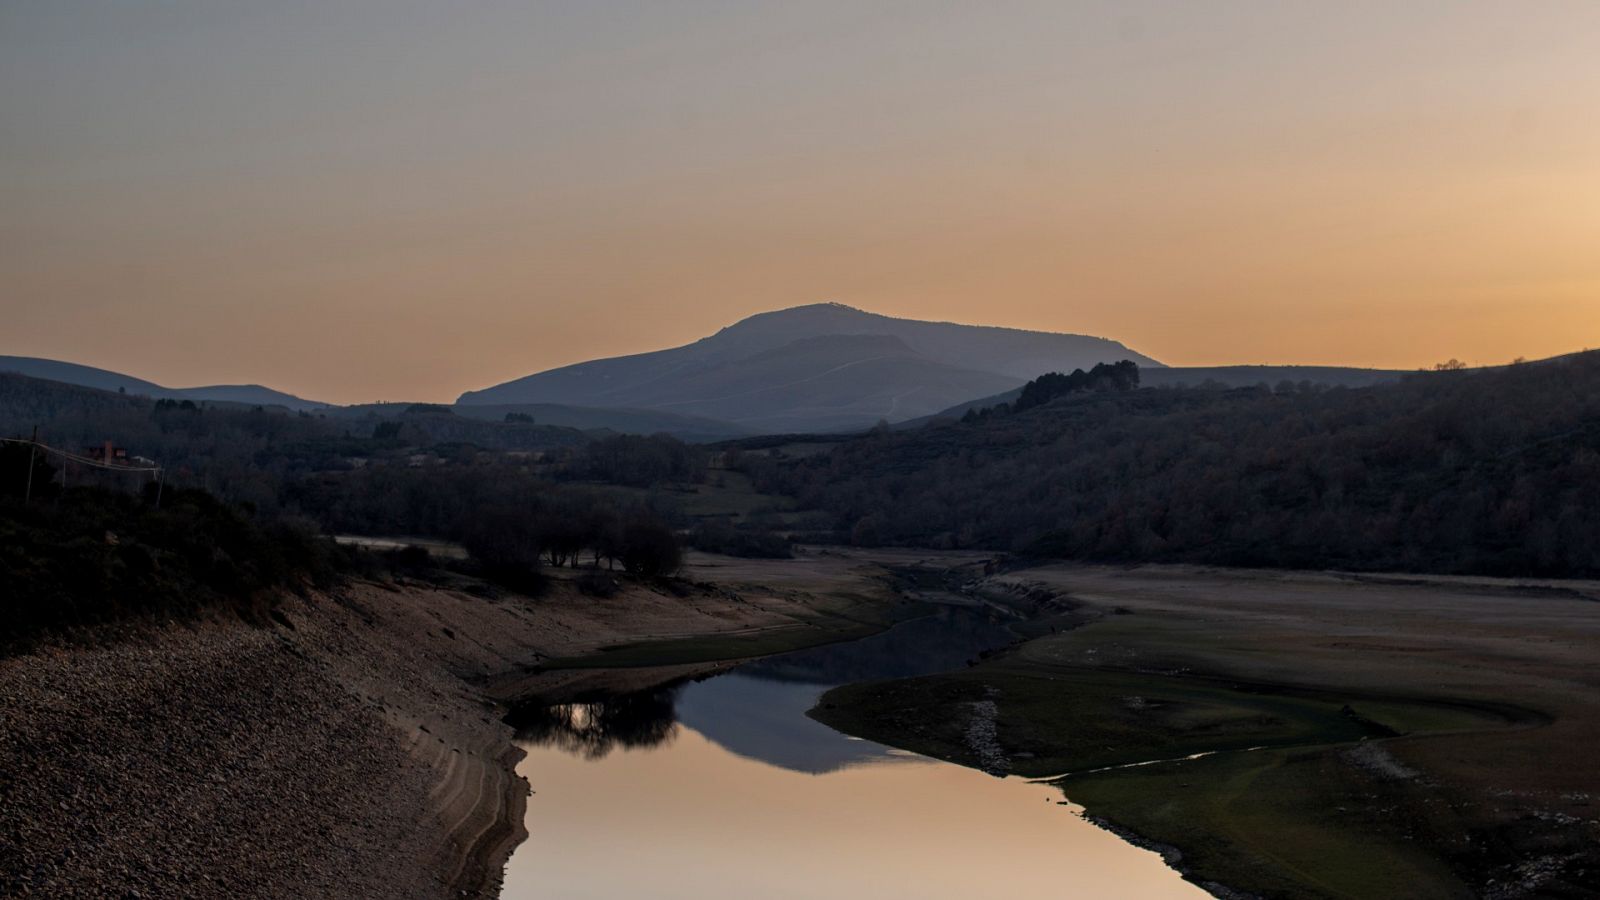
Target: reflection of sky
point(691, 819)
point(766, 721)
point(759, 711)
point(753, 799)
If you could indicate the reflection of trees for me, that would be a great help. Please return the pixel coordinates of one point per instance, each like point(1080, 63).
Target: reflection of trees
point(593, 729)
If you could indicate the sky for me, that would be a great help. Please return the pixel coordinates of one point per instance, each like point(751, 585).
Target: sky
point(358, 200)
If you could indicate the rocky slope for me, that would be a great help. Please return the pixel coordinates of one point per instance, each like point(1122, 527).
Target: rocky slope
point(348, 748)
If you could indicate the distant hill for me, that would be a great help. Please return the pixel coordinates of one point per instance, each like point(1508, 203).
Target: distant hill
point(88, 376)
point(232, 446)
point(1206, 376)
point(1250, 376)
point(815, 368)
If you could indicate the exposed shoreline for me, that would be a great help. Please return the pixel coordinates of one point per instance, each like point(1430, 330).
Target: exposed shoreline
point(1413, 735)
point(355, 745)
point(352, 747)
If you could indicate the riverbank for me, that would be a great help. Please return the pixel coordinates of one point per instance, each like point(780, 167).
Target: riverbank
point(352, 746)
point(1398, 736)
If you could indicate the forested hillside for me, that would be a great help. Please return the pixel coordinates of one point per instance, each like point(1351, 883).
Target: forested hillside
point(244, 453)
point(1493, 471)
point(250, 494)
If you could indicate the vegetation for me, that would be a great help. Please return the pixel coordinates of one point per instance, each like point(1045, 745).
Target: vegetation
point(1494, 472)
point(258, 483)
point(1122, 376)
point(1280, 810)
point(245, 454)
point(722, 536)
point(90, 556)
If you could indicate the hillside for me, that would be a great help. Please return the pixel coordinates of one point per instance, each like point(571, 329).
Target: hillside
point(1493, 471)
point(818, 367)
point(88, 376)
point(1211, 377)
point(242, 453)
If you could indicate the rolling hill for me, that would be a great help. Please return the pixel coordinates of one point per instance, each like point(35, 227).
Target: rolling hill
point(105, 380)
point(815, 368)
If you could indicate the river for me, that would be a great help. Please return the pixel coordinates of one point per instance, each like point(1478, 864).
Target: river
point(724, 788)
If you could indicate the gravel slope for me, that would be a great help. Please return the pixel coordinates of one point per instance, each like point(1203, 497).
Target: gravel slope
point(346, 749)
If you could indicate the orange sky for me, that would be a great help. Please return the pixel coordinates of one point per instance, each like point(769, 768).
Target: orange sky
point(396, 200)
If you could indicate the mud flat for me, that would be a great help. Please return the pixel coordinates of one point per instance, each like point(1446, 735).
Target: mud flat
point(353, 746)
point(1361, 736)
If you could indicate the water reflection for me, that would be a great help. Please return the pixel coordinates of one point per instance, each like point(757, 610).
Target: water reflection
point(765, 720)
point(758, 711)
point(592, 730)
point(723, 788)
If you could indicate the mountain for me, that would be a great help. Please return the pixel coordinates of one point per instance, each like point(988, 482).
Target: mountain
point(88, 376)
point(815, 368)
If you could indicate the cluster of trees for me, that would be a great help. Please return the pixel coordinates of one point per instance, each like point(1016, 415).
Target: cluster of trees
point(418, 470)
point(751, 541)
point(508, 517)
point(246, 454)
point(1493, 471)
point(570, 528)
point(90, 556)
point(1121, 376)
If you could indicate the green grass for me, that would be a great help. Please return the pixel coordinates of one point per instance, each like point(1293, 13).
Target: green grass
point(1069, 720)
point(1278, 823)
point(1292, 820)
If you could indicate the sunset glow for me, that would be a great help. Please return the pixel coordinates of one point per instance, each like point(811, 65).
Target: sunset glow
point(402, 201)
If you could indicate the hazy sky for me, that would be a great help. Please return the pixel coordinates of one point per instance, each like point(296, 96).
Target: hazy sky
point(386, 200)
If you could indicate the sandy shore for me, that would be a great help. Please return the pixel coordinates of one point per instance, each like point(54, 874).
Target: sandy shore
point(353, 747)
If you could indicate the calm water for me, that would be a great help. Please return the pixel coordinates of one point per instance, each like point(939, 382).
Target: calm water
point(725, 789)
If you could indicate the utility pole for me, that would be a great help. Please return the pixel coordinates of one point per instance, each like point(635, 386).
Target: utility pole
point(33, 448)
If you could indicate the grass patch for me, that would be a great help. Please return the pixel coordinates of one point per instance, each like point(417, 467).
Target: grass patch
point(1298, 822)
point(1056, 720)
point(1299, 818)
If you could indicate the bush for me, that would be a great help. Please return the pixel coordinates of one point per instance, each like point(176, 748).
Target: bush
point(649, 549)
point(95, 557)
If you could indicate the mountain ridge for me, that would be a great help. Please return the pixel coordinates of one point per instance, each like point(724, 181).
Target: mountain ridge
point(822, 366)
point(107, 380)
